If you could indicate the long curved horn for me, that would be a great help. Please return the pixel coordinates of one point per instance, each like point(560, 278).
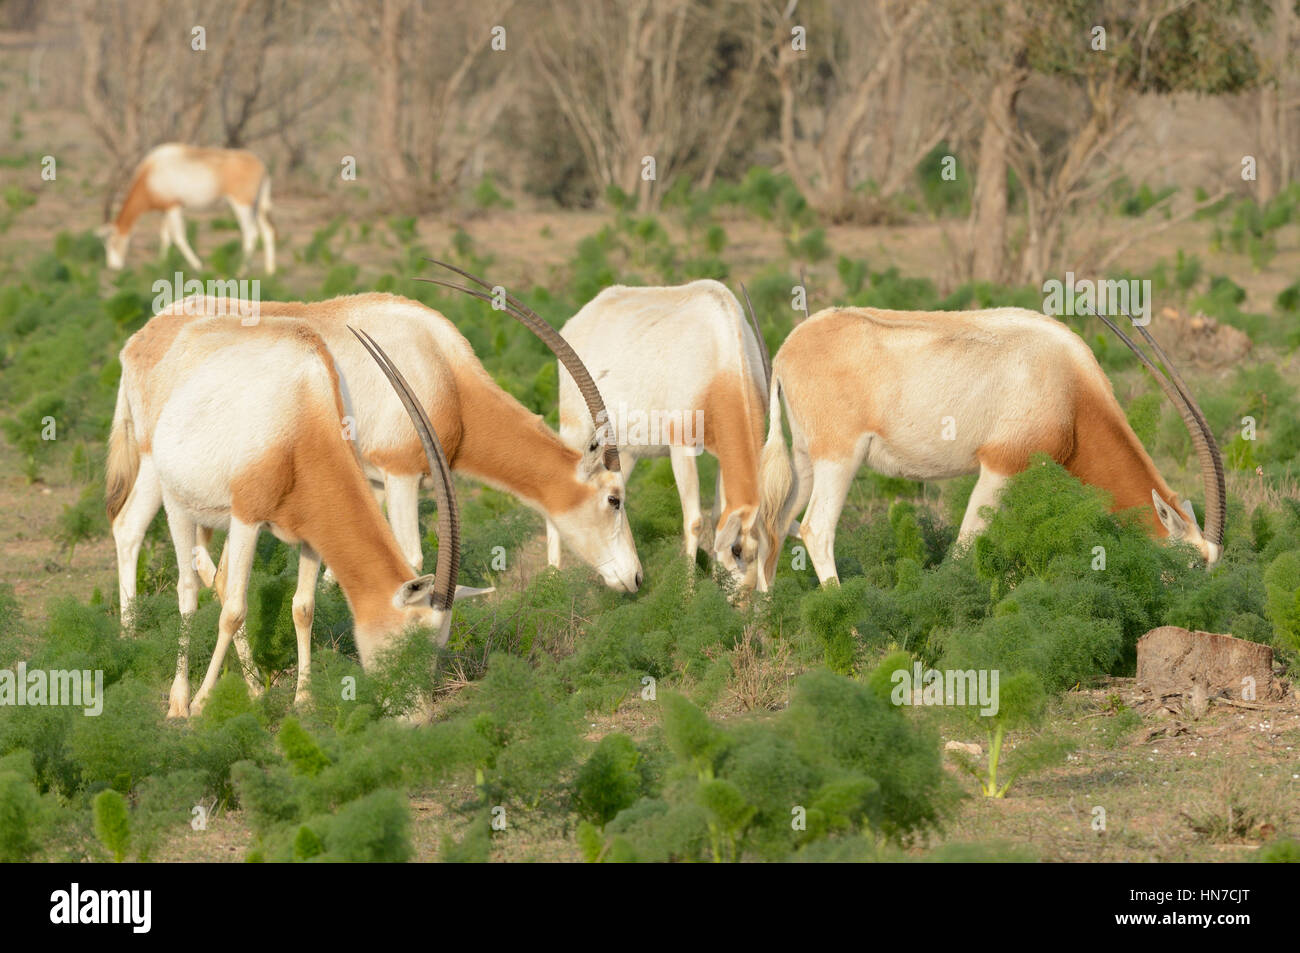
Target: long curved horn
point(1198, 428)
point(448, 568)
point(559, 347)
point(1207, 451)
point(758, 333)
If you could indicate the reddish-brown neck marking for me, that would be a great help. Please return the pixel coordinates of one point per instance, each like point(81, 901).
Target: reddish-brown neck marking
point(1108, 454)
point(287, 487)
point(503, 443)
point(139, 200)
point(733, 432)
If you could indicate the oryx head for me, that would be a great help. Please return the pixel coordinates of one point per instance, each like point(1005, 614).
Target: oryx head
point(596, 527)
point(738, 539)
point(736, 546)
point(115, 244)
point(1179, 520)
point(595, 524)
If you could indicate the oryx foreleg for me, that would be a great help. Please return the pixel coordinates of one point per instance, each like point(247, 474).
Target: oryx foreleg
point(187, 592)
point(402, 491)
point(831, 480)
point(986, 492)
point(176, 223)
point(304, 609)
point(554, 546)
point(687, 476)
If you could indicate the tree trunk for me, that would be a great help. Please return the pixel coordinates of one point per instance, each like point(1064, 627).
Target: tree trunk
point(1172, 660)
point(1266, 165)
point(1274, 159)
point(388, 106)
point(988, 220)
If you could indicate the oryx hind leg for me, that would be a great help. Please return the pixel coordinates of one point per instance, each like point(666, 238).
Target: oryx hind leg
point(129, 528)
point(801, 487)
point(203, 563)
point(988, 488)
point(248, 231)
point(831, 480)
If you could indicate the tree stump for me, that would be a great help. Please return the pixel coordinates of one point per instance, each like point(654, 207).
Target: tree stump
point(1201, 665)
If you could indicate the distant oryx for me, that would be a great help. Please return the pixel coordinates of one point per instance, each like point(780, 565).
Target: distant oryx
point(930, 395)
point(682, 372)
point(173, 177)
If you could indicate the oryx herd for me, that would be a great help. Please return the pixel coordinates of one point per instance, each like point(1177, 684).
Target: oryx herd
point(309, 418)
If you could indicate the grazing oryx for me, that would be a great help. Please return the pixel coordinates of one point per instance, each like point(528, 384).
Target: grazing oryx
point(682, 372)
point(273, 451)
point(930, 395)
point(486, 432)
point(174, 177)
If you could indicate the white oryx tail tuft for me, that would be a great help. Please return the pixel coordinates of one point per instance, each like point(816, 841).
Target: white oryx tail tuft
point(123, 456)
point(775, 480)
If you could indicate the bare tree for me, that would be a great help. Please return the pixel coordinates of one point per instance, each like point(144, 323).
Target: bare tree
point(439, 85)
point(750, 32)
point(277, 75)
point(1277, 40)
point(863, 98)
point(634, 82)
point(1096, 60)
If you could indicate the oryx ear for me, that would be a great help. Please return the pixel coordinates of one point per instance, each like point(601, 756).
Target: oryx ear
point(1191, 512)
point(593, 452)
point(415, 592)
point(469, 592)
point(1169, 517)
point(728, 532)
point(104, 231)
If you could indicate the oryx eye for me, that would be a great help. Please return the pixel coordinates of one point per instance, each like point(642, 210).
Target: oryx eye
point(615, 502)
point(735, 550)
